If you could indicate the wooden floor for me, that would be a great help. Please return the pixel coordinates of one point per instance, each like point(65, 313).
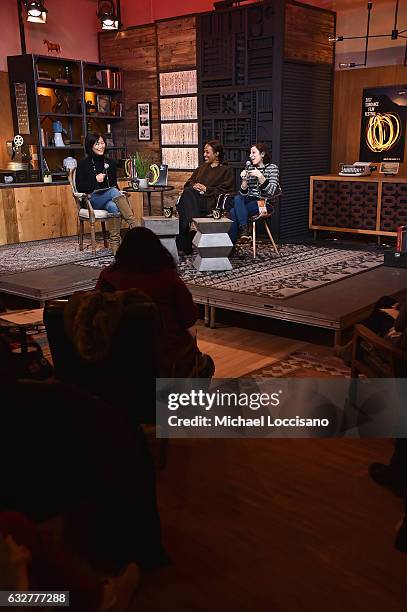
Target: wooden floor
point(237, 351)
point(274, 525)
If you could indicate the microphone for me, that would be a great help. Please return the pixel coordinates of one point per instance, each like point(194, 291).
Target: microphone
point(248, 164)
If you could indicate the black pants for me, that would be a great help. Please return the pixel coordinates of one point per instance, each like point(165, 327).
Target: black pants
point(191, 204)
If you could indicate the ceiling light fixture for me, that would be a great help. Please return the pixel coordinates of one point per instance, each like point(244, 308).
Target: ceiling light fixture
point(109, 15)
point(395, 34)
point(36, 11)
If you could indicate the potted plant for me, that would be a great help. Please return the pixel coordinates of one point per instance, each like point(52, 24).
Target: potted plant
point(142, 166)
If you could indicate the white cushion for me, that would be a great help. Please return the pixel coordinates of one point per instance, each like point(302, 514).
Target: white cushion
point(99, 214)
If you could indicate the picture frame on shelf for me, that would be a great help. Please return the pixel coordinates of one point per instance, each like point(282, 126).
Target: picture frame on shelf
point(103, 104)
point(144, 121)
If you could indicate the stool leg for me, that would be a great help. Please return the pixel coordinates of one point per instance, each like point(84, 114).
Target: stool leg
point(271, 238)
point(254, 239)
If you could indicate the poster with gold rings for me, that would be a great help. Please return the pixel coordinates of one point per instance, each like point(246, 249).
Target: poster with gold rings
point(383, 126)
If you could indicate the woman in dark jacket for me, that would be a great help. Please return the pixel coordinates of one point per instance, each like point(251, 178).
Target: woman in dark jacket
point(201, 191)
point(96, 175)
point(143, 263)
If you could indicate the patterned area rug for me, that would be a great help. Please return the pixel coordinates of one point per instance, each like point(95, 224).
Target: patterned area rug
point(300, 268)
point(46, 253)
point(304, 365)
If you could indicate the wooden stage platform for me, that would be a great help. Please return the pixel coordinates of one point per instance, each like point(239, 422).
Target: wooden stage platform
point(335, 307)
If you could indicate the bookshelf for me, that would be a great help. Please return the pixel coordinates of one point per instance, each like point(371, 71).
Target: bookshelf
point(83, 96)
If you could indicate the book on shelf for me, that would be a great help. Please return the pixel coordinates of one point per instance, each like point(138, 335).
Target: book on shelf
point(43, 75)
point(109, 79)
point(117, 80)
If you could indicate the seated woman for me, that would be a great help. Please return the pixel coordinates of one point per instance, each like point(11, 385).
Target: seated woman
point(96, 175)
point(201, 191)
point(143, 263)
point(260, 181)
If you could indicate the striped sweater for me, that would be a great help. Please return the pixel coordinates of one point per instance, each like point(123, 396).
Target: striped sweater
point(269, 189)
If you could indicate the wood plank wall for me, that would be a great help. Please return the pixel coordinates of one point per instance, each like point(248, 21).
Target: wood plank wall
point(306, 34)
point(348, 89)
point(36, 213)
point(6, 118)
point(134, 50)
point(142, 52)
point(39, 213)
point(176, 40)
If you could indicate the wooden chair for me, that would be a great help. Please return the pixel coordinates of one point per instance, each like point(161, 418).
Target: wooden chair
point(377, 357)
point(264, 218)
point(87, 213)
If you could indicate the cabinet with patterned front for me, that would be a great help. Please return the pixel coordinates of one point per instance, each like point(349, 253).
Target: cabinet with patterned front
point(368, 205)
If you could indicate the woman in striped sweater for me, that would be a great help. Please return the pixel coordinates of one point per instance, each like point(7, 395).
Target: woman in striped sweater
point(260, 181)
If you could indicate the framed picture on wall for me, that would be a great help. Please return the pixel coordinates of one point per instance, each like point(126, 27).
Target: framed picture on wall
point(144, 121)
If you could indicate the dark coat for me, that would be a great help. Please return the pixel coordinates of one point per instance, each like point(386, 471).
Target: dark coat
point(86, 176)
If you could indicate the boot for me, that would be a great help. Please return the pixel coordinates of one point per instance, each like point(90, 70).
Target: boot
point(245, 235)
point(126, 210)
point(114, 224)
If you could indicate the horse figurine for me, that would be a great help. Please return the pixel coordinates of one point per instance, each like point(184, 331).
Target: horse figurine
point(51, 46)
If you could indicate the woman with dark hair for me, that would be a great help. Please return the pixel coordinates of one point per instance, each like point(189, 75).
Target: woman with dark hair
point(97, 175)
point(260, 181)
point(201, 191)
point(143, 263)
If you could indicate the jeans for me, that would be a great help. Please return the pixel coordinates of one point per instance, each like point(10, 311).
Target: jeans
point(104, 200)
point(243, 208)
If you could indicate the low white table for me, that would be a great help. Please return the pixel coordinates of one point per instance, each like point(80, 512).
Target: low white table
point(213, 244)
point(166, 230)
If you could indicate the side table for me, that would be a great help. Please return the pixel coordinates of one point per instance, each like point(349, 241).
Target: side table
point(149, 190)
point(166, 230)
point(213, 244)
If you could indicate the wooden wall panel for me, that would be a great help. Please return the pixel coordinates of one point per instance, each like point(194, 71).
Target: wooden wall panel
point(306, 34)
point(8, 217)
point(45, 212)
point(176, 43)
point(39, 213)
point(6, 118)
point(36, 213)
point(348, 89)
point(135, 51)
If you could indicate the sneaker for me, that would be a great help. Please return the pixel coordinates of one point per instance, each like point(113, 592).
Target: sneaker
point(245, 235)
point(384, 476)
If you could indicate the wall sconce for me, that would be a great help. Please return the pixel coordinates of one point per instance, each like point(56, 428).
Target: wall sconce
point(393, 35)
point(109, 15)
point(36, 11)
